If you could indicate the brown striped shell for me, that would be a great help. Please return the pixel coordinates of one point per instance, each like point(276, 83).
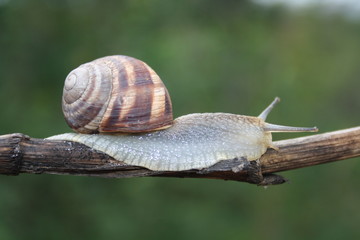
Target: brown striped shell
point(116, 94)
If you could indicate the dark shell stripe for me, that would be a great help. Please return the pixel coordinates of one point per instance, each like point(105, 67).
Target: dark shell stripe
point(121, 75)
point(154, 102)
point(168, 105)
point(140, 112)
point(118, 67)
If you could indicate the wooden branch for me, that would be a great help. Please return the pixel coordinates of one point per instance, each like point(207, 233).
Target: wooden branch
point(21, 154)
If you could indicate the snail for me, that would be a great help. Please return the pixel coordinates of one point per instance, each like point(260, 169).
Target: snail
point(118, 105)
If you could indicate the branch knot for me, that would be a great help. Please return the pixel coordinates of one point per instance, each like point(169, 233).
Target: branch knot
point(10, 163)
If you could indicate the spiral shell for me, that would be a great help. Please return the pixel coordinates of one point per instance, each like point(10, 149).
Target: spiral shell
point(116, 94)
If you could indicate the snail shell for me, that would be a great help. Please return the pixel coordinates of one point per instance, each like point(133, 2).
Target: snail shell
point(116, 94)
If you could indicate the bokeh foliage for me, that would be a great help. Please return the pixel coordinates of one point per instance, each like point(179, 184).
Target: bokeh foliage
point(229, 56)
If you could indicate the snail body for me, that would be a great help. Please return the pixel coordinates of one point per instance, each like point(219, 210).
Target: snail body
point(193, 141)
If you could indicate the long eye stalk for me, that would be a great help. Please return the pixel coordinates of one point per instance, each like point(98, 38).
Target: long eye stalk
point(268, 127)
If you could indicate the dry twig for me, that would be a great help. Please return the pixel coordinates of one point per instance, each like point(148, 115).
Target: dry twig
point(21, 154)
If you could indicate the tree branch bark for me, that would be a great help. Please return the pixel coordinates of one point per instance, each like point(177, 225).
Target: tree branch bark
point(22, 154)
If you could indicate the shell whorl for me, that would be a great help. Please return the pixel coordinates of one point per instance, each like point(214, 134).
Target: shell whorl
point(116, 94)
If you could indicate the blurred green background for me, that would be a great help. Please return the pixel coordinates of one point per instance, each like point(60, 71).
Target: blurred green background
point(228, 56)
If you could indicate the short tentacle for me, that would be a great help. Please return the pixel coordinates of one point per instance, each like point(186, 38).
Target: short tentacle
point(267, 110)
